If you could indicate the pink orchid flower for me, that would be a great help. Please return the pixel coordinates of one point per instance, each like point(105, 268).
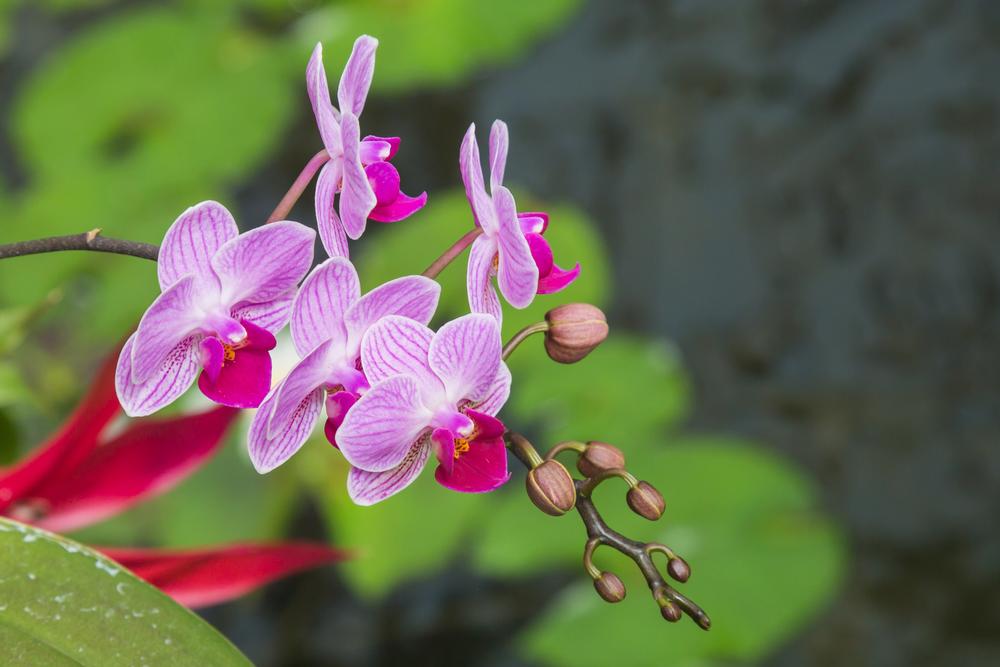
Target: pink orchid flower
point(224, 295)
point(329, 319)
point(512, 246)
point(428, 391)
point(81, 476)
point(359, 169)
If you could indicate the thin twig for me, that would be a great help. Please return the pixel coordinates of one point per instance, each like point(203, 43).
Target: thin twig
point(91, 240)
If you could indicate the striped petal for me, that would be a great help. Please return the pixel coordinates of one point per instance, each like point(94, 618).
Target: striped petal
point(190, 243)
point(379, 431)
point(368, 488)
point(165, 385)
point(322, 303)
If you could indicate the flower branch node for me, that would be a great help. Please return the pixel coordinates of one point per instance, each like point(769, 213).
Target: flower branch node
point(551, 487)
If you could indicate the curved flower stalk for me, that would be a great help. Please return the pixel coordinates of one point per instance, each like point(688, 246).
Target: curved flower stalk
point(555, 492)
point(80, 476)
point(329, 320)
point(359, 169)
point(512, 246)
point(429, 391)
point(224, 296)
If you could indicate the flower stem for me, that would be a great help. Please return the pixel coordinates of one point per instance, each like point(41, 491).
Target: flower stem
point(284, 206)
point(519, 337)
point(451, 253)
point(91, 240)
point(600, 534)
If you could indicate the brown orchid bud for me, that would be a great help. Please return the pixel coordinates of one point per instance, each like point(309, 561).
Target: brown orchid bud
point(551, 488)
point(574, 330)
point(670, 611)
point(610, 587)
point(599, 456)
point(646, 501)
point(678, 569)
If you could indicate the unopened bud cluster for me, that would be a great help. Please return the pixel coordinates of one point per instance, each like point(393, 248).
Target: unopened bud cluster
point(554, 491)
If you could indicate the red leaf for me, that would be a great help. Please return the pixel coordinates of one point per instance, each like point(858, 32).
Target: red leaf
point(148, 459)
point(203, 577)
point(74, 440)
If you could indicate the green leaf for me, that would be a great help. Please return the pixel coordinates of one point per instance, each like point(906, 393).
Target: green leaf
point(64, 604)
point(434, 42)
point(596, 398)
point(140, 104)
point(764, 561)
point(401, 537)
point(125, 127)
point(12, 387)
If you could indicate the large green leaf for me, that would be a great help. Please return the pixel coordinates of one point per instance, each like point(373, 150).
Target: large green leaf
point(125, 127)
point(764, 561)
point(433, 41)
point(63, 604)
point(401, 537)
point(597, 398)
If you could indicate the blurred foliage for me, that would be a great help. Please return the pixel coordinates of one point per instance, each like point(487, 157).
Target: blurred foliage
point(148, 110)
point(764, 560)
point(123, 130)
point(72, 606)
point(434, 42)
point(745, 520)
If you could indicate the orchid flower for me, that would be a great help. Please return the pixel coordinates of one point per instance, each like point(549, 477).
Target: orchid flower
point(329, 319)
point(512, 246)
point(81, 476)
point(429, 391)
point(359, 169)
point(224, 296)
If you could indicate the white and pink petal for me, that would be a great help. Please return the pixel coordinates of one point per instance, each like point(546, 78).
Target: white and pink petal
point(267, 452)
point(319, 96)
point(482, 296)
point(397, 345)
point(357, 76)
point(475, 188)
point(264, 263)
point(326, 295)
point(380, 429)
point(415, 297)
point(192, 240)
point(368, 488)
point(168, 381)
point(331, 229)
point(465, 355)
point(171, 318)
point(517, 274)
point(498, 153)
point(357, 199)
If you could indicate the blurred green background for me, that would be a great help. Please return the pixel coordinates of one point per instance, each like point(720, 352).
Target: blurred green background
point(788, 210)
